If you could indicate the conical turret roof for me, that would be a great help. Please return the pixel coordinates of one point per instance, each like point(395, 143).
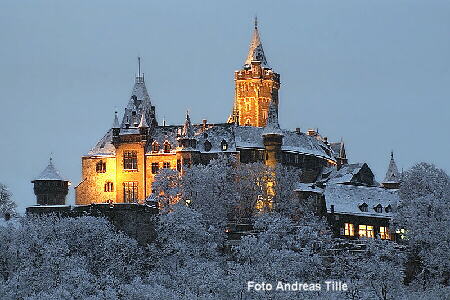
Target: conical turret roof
point(272, 126)
point(256, 51)
point(50, 173)
point(187, 128)
point(392, 174)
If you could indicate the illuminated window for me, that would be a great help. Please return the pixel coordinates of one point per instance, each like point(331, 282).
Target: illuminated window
point(100, 167)
point(378, 208)
point(166, 147)
point(224, 145)
point(349, 229)
point(155, 167)
point(384, 233)
point(130, 192)
point(264, 114)
point(365, 231)
point(109, 187)
point(247, 122)
point(166, 165)
point(130, 160)
point(364, 207)
point(155, 147)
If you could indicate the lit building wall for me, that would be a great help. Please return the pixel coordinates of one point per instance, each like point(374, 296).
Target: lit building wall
point(92, 187)
point(254, 90)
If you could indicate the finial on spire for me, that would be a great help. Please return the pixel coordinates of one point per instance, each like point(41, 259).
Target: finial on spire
point(392, 154)
point(256, 22)
point(139, 66)
point(116, 121)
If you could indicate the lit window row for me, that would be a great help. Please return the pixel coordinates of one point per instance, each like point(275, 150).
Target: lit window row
point(366, 231)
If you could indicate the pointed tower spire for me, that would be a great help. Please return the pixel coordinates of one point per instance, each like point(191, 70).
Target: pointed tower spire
point(187, 128)
point(392, 179)
point(256, 52)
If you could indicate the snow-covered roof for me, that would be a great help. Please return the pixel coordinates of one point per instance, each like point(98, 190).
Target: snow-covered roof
point(50, 173)
point(308, 187)
point(347, 199)
point(104, 147)
point(345, 174)
point(256, 52)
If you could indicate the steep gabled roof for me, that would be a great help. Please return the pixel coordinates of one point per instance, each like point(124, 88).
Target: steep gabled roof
point(256, 52)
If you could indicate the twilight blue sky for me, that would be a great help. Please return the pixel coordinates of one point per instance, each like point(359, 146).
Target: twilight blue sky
point(376, 73)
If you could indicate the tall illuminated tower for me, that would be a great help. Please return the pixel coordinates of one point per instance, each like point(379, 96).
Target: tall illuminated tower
point(256, 86)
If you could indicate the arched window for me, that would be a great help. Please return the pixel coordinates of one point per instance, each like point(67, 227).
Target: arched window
point(155, 147)
point(208, 146)
point(224, 145)
point(247, 122)
point(109, 187)
point(166, 147)
point(100, 167)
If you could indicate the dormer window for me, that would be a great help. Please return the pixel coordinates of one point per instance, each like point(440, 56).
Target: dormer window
point(155, 147)
point(224, 145)
point(207, 146)
point(378, 208)
point(364, 207)
point(388, 208)
point(167, 147)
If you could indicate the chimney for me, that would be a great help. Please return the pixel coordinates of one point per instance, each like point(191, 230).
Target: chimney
point(332, 208)
point(311, 132)
point(204, 122)
point(297, 130)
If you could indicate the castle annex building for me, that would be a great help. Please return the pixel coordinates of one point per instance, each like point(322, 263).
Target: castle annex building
point(121, 167)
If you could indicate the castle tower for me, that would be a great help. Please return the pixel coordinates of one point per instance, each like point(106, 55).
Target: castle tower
point(272, 137)
point(256, 86)
point(50, 187)
point(392, 179)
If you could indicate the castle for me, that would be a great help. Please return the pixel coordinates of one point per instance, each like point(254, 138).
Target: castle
point(122, 166)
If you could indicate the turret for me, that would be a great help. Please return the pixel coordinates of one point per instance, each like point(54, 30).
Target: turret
point(116, 128)
point(392, 178)
point(272, 137)
point(188, 153)
point(50, 187)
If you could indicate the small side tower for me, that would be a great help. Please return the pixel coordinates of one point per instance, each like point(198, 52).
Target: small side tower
point(188, 152)
point(272, 137)
point(392, 179)
point(50, 187)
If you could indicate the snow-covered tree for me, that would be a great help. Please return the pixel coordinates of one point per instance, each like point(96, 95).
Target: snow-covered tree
point(7, 205)
point(424, 212)
point(167, 188)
